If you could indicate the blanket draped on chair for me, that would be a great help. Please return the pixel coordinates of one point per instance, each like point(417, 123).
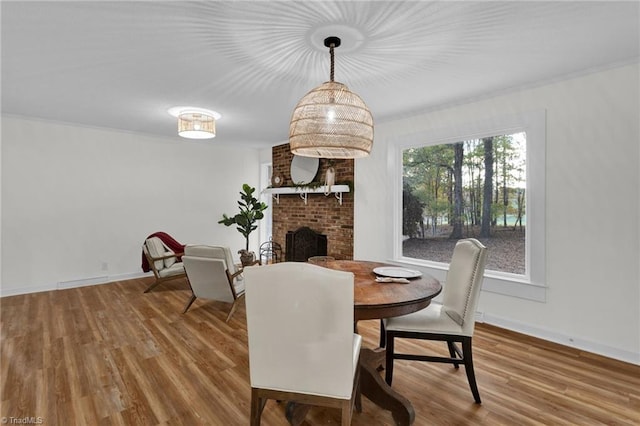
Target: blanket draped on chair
point(169, 241)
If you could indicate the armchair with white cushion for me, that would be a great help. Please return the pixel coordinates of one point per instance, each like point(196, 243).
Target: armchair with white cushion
point(302, 347)
point(452, 322)
point(212, 274)
point(164, 263)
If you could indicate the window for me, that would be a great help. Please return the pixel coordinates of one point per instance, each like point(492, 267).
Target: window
point(473, 188)
point(425, 205)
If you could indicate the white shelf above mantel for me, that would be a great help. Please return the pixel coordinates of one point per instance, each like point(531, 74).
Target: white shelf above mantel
point(337, 190)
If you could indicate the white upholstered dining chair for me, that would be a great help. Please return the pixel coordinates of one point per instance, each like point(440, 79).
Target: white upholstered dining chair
point(212, 274)
point(302, 347)
point(452, 322)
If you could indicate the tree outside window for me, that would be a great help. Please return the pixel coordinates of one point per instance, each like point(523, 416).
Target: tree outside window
point(472, 188)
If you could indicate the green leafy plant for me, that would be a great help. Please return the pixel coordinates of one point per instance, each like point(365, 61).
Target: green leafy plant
point(250, 212)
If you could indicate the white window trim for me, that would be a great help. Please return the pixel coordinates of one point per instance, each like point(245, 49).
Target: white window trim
point(532, 285)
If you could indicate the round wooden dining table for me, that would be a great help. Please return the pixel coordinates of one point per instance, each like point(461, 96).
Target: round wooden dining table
point(375, 300)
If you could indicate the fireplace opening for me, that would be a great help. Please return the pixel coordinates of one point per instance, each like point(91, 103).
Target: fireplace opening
point(303, 243)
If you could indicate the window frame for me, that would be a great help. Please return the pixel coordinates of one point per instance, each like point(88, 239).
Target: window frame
point(532, 284)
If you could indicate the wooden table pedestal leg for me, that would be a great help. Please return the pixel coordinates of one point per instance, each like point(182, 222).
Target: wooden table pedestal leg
point(377, 391)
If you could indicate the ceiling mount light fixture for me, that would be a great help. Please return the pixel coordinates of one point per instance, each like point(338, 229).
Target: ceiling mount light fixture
point(195, 123)
point(331, 121)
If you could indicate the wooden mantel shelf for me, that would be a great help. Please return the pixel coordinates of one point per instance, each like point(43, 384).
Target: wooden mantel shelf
point(337, 190)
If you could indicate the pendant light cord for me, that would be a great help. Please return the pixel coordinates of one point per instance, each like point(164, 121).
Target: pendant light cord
point(331, 53)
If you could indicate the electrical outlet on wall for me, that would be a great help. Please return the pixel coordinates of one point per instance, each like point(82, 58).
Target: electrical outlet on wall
point(105, 266)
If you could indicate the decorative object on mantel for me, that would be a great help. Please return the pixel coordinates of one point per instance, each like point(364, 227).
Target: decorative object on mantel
point(276, 180)
point(195, 123)
point(250, 212)
point(303, 169)
point(329, 178)
point(331, 121)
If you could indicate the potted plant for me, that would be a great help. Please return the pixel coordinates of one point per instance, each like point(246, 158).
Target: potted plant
point(250, 212)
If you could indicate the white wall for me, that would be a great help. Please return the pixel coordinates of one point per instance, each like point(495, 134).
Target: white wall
point(592, 208)
point(78, 202)
point(76, 198)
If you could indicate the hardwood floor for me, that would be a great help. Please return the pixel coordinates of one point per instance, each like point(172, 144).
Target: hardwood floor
point(111, 355)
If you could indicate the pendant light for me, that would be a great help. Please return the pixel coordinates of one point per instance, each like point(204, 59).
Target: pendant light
point(331, 121)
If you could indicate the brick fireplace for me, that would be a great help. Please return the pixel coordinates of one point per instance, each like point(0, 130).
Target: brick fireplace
point(323, 214)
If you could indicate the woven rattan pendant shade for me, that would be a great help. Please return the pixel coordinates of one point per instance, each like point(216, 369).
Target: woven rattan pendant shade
point(331, 122)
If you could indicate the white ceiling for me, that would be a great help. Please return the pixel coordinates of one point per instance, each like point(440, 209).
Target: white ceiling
point(122, 64)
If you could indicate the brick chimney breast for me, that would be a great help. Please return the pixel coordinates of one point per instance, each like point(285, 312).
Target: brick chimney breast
point(322, 213)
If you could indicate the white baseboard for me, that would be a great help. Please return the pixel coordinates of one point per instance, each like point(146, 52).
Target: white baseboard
point(129, 276)
point(27, 290)
point(563, 339)
point(63, 285)
point(552, 336)
point(83, 282)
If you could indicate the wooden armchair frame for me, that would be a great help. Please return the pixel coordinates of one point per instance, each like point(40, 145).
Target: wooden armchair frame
point(156, 272)
point(209, 283)
point(236, 297)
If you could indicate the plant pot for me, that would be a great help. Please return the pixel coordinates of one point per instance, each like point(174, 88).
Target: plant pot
point(247, 257)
